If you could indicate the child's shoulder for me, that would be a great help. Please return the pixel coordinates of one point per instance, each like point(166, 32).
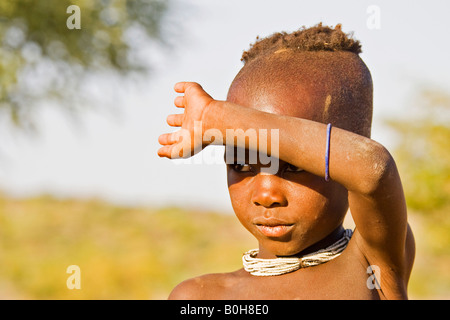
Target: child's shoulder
point(209, 286)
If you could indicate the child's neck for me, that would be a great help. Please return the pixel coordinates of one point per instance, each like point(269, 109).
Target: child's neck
point(334, 236)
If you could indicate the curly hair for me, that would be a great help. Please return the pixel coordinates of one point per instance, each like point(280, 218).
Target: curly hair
point(316, 38)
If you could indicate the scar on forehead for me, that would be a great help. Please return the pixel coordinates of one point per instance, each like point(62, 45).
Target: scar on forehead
point(327, 105)
point(281, 50)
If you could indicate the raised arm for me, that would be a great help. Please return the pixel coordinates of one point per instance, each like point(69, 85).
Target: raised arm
point(364, 167)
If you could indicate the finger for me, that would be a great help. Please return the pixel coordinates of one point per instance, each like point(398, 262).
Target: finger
point(168, 139)
point(174, 151)
point(165, 152)
point(181, 87)
point(179, 102)
point(175, 120)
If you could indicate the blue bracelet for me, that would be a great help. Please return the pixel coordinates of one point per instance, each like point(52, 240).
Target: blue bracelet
point(327, 154)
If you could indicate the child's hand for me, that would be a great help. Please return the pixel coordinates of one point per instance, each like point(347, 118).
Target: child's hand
point(182, 143)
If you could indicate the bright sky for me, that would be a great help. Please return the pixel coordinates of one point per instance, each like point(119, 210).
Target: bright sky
point(114, 156)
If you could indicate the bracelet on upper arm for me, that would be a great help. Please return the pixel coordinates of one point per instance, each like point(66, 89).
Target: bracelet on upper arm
point(327, 154)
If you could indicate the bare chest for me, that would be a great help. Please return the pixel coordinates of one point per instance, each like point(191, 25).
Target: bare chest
point(342, 278)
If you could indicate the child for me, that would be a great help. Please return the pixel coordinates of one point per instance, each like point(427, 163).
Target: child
point(313, 88)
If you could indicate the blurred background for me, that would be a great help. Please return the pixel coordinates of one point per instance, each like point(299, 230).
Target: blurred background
point(83, 98)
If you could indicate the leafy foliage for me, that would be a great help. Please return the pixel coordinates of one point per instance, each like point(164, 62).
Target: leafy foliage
point(40, 57)
point(424, 153)
point(423, 159)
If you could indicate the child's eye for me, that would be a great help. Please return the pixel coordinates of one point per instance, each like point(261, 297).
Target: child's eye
point(241, 167)
point(292, 168)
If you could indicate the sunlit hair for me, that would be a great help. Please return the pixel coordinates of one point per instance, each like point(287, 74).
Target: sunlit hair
point(316, 38)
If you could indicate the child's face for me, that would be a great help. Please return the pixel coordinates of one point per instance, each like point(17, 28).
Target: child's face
point(288, 211)
point(291, 210)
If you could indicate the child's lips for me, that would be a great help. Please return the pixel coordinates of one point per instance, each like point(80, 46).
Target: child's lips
point(274, 231)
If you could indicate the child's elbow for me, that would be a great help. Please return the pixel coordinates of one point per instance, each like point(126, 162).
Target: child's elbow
point(381, 171)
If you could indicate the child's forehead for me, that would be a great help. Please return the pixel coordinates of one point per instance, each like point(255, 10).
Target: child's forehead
point(324, 87)
point(295, 87)
point(291, 100)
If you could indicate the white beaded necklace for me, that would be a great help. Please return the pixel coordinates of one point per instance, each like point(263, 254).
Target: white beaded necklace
point(279, 266)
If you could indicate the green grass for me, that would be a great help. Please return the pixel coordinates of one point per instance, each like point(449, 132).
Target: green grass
point(430, 278)
point(142, 253)
point(123, 253)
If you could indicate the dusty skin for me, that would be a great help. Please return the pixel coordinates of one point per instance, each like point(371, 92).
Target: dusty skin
point(363, 175)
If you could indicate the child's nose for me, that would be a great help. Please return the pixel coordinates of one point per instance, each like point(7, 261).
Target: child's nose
point(267, 191)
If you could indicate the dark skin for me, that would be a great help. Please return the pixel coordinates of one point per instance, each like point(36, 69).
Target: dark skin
point(364, 178)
